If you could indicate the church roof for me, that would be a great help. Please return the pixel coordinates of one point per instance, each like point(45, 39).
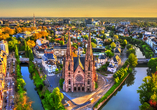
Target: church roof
point(117, 50)
point(102, 57)
point(79, 61)
point(49, 56)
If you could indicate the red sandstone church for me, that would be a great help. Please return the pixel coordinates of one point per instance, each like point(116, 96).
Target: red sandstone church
point(79, 72)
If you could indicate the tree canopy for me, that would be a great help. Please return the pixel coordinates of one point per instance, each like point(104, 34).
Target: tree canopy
point(132, 60)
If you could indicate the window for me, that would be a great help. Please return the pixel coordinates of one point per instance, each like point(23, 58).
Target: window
point(69, 89)
point(69, 81)
point(82, 88)
point(69, 75)
point(74, 88)
point(88, 74)
point(69, 67)
point(89, 67)
point(78, 71)
point(78, 88)
point(88, 81)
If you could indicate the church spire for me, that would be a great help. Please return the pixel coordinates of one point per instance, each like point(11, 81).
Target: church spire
point(68, 53)
point(89, 52)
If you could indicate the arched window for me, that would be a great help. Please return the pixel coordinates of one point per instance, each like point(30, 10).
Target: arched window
point(69, 81)
point(88, 74)
point(69, 75)
point(89, 67)
point(88, 81)
point(69, 67)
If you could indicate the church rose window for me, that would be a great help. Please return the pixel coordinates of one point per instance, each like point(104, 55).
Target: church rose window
point(79, 78)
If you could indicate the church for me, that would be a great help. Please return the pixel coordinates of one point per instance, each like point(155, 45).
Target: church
point(79, 73)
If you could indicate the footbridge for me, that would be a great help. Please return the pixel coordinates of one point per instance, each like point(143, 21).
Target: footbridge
point(142, 60)
point(24, 60)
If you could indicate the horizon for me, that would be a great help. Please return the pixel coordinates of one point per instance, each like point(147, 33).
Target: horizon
point(81, 8)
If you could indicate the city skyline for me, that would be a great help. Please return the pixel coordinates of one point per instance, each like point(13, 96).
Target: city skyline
point(81, 8)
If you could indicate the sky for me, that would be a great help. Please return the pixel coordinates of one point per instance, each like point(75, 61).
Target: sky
point(78, 8)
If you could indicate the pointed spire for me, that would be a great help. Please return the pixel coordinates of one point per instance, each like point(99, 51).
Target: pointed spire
point(89, 52)
point(69, 53)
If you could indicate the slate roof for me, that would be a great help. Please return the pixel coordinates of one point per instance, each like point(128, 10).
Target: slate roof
point(117, 50)
point(111, 65)
point(49, 56)
point(116, 58)
point(60, 47)
point(102, 57)
point(77, 62)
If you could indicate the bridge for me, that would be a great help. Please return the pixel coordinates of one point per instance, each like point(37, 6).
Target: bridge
point(142, 60)
point(24, 60)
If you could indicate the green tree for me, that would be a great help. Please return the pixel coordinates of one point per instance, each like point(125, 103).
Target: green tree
point(145, 106)
point(115, 37)
point(93, 44)
point(131, 50)
point(148, 89)
point(93, 40)
point(111, 34)
point(152, 64)
point(55, 98)
point(132, 60)
point(109, 53)
point(125, 42)
point(113, 45)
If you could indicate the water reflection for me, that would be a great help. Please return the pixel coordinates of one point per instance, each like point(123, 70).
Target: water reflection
point(126, 98)
point(130, 80)
point(30, 88)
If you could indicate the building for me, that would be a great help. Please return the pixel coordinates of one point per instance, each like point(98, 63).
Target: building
point(89, 21)
point(79, 72)
point(49, 60)
point(4, 46)
point(117, 51)
point(66, 21)
point(60, 51)
point(3, 62)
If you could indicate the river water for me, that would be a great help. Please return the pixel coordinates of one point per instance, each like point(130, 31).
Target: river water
point(30, 87)
point(127, 98)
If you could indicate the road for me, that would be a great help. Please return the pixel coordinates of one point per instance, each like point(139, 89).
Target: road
point(10, 85)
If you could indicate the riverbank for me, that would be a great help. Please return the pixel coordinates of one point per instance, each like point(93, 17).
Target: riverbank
point(110, 92)
point(43, 91)
point(30, 88)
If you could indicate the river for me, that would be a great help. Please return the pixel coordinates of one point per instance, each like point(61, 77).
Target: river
point(127, 98)
point(30, 87)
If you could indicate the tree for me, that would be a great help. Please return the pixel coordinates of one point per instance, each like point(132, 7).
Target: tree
point(148, 90)
point(18, 30)
point(152, 64)
point(104, 37)
point(37, 36)
point(132, 60)
point(43, 33)
point(93, 44)
point(85, 37)
point(109, 53)
point(113, 45)
point(111, 34)
point(93, 40)
point(131, 50)
point(125, 42)
point(55, 98)
point(30, 43)
point(33, 28)
point(44, 27)
point(39, 27)
point(61, 42)
point(115, 37)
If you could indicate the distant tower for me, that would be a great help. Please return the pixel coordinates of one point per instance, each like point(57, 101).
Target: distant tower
point(34, 25)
